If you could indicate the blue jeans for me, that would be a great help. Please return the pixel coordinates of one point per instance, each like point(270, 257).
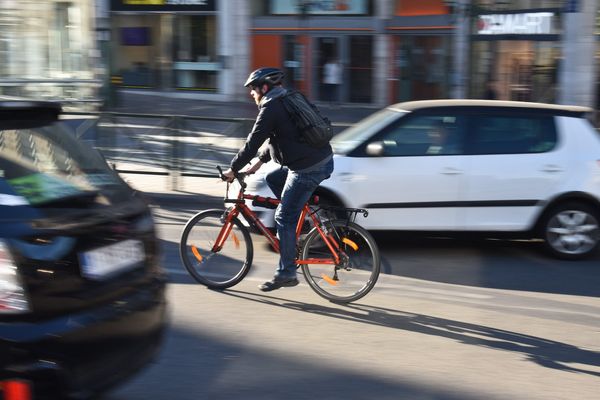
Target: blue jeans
point(294, 189)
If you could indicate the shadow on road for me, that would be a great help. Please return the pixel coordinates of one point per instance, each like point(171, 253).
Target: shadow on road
point(222, 369)
point(487, 263)
point(544, 352)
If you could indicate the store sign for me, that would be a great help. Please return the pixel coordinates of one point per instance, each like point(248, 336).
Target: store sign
point(162, 5)
point(538, 23)
point(335, 7)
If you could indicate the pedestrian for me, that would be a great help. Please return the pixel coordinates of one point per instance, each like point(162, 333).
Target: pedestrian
point(332, 79)
point(303, 167)
point(490, 91)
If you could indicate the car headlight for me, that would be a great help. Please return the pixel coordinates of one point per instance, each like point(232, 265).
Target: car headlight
point(12, 293)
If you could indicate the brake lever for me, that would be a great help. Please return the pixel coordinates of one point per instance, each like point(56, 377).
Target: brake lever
point(238, 175)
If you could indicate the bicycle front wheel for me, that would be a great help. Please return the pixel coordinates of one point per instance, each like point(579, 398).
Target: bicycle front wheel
point(217, 268)
point(358, 270)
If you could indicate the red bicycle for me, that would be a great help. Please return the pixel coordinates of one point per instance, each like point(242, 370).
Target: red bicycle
point(339, 258)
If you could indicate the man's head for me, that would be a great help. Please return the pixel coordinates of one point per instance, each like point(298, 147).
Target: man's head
point(262, 80)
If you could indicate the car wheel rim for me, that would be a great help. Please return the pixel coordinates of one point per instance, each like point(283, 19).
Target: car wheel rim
point(572, 232)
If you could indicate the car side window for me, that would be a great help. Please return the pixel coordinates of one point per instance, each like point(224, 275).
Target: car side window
point(507, 134)
point(424, 135)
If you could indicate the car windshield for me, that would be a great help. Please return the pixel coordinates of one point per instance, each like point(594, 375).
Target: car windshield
point(48, 165)
point(350, 138)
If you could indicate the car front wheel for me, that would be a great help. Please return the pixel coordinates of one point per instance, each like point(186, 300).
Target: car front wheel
point(570, 231)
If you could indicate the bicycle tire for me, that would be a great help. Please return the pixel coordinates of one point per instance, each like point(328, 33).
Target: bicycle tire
point(341, 284)
point(216, 270)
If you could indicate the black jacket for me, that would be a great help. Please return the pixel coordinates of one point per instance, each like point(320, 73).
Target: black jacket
point(285, 144)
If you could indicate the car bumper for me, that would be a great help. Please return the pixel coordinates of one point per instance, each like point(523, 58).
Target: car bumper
point(83, 354)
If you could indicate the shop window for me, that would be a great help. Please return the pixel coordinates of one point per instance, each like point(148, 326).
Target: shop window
point(423, 67)
point(195, 38)
point(361, 69)
point(66, 35)
point(196, 80)
point(518, 69)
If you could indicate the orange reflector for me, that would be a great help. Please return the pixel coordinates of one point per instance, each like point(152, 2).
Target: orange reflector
point(15, 390)
point(196, 253)
point(235, 240)
point(328, 280)
point(350, 243)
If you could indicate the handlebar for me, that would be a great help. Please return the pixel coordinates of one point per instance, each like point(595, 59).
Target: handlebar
point(239, 176)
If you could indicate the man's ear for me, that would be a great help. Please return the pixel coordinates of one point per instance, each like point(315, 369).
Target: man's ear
point(264, 89)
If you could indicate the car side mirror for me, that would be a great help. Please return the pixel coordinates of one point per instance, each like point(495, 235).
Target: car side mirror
point(375, 149)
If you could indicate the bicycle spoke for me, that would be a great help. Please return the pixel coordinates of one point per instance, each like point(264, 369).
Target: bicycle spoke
point(224, 267)
point(357, 271)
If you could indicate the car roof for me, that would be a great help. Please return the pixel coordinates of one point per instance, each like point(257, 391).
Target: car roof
point(21, 114)
point(472, 103)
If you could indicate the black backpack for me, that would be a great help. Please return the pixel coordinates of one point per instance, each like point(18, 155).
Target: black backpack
point(314, 129)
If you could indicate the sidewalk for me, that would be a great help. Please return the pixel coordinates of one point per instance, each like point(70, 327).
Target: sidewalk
point(196, 189)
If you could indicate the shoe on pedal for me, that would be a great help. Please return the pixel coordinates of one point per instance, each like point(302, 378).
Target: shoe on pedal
point(277, 283)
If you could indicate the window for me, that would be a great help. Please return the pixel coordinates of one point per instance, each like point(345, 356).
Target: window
point(513, 134)
point(424, 135)
point(45, 165)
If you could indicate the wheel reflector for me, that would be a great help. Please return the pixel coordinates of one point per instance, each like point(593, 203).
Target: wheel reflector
point(235, 240)
point(328, 280)
point(196, 253)
point(350, 243)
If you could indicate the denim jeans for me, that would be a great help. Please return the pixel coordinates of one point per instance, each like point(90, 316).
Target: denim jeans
point(294, 189)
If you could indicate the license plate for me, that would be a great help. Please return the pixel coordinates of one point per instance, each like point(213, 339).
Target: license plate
point(104, 262)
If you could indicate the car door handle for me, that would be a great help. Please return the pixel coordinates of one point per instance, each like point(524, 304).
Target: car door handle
point(551, 168)
point(350, 177)
point(452, 171)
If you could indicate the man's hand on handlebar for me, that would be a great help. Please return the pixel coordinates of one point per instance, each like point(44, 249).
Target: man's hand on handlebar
point(229, 175)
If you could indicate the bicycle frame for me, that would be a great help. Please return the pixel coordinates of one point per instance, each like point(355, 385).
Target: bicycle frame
point(240, 207)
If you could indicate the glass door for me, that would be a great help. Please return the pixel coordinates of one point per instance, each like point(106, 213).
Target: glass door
point(360, 69)
point(329, 77)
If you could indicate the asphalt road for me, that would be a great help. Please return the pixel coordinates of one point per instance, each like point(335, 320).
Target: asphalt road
point(449, 319)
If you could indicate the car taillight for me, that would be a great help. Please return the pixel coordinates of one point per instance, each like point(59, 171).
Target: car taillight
point(12, 293)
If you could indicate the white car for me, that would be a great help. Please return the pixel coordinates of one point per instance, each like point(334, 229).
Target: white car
point(510, 167)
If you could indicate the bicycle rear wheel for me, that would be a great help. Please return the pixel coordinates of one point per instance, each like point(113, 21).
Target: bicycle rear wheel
point(215, 268)
point(355, 276)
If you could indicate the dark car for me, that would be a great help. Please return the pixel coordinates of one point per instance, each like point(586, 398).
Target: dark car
point(82, 294)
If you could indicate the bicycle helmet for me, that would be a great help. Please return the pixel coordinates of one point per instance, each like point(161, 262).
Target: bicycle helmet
point(270, 76)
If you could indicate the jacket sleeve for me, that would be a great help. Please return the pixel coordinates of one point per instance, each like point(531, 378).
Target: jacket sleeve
point(263, 126)
point(265, 154)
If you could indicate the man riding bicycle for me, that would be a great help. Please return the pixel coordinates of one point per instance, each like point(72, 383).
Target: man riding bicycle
point(303, 167)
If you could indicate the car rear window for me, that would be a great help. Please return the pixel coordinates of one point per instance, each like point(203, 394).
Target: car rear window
point(45, 165)
point(512, 134)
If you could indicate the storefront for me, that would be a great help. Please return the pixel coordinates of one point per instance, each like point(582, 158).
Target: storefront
point(167, 44)
point(301, 40)
point(422, 39)
point(515, 55)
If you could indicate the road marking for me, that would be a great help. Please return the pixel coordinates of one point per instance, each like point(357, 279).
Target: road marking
point(396, 286)
point(453, 293)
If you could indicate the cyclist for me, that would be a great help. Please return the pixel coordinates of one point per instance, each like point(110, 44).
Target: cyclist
point(303, 167)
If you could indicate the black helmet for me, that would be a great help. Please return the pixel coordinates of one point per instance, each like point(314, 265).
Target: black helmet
point(268, 75)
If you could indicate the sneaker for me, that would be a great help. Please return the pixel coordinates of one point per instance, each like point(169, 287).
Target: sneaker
point(277, 283)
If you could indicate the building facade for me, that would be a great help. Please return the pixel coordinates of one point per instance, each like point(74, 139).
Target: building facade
point(389, 50)
point(182, 46)
point(47, 51)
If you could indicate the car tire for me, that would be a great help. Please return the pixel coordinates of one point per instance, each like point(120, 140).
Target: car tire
point(571, 231)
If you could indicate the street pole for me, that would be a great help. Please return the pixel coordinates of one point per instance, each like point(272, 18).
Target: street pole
point(461, 48)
